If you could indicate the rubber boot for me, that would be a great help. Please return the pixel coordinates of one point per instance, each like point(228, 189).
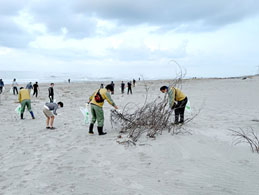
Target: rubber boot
point(91, 127)
point(181, 118)
point(22, 116)
point(100, 131)
point(176, 120)
point(32, 115)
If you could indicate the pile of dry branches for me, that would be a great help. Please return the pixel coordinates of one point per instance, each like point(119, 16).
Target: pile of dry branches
point(246, 136)
point(152, 118)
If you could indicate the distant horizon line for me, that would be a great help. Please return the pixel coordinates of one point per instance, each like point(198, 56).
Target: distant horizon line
point(84, 78)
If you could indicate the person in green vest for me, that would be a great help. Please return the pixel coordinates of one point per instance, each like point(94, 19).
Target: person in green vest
point(97, 100)
point(25, 100)
point(177, 102)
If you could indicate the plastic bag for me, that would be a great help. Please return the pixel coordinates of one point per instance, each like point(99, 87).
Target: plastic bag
point(18, 109)
point(11, 91)
point(85, 113)
point(188, 106)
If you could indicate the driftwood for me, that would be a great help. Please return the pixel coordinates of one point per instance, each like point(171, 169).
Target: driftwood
point(150, 119)
point(246, 136)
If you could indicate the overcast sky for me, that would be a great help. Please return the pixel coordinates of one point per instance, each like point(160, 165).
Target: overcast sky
point(129, 37)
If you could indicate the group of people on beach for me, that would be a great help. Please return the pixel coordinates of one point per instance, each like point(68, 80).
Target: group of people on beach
point(129, 86)
point(49, 109)
point(123, 85)
point(177, 102)
point(24, 97)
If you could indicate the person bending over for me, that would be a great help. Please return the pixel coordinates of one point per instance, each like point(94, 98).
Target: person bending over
point(25, 100)
point(97, 101)
point(49, 110)
point(177, 102)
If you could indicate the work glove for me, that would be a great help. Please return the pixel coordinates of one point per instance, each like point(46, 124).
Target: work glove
point(173, 106)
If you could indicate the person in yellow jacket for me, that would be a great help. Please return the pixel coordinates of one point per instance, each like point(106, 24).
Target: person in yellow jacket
point(177, 102)
point(25, 100)
point(97, 101)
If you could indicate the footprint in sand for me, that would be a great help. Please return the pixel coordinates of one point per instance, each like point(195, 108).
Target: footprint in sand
point(129, 183)
point(244, 162)
point(104, 163)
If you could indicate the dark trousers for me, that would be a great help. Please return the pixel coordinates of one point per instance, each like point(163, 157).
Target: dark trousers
point(179, 110)
point(129, 90)
point(122, 90)
point(1, 90)
point(51, 98)
point(15, 90)
point(35, 92)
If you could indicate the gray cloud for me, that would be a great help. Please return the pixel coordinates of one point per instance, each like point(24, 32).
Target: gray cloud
point(58, 14)
point(11, 7)
point(14, 40)
point(79, 16)
point(145, 54)
point(12, 35)
point(171, 12)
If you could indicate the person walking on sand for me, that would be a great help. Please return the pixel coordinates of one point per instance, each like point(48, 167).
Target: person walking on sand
point(29, 87)
point(51, 92)
point(134, 82)
point(113, 86)
point(49, 110)
point(129, 88)
point(25, 100)
point(15, 87)
point(35, 89)
point(97, 101)
point(177, 102)
point(1, 85)
point(122, 87)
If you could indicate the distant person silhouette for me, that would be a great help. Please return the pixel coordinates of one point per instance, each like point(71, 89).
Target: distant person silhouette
point(129, 87)
point(35, 89)
point(29, 87)
point(51, 92)
point(134, 82)
point(1, 85)
point(15, 86)
point(122, 86)
point(113, 86)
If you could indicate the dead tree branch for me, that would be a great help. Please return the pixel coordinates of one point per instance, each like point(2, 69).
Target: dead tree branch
point(150, 119)
point(246, 136)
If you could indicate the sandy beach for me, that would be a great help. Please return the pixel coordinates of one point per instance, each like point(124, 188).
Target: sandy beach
point(36, 161)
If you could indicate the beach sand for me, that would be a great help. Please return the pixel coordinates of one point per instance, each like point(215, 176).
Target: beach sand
point(34, 160)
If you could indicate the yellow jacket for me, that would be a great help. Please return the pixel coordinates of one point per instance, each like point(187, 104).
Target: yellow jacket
point(175, 95)
point(105, 95)
point(24, 94)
